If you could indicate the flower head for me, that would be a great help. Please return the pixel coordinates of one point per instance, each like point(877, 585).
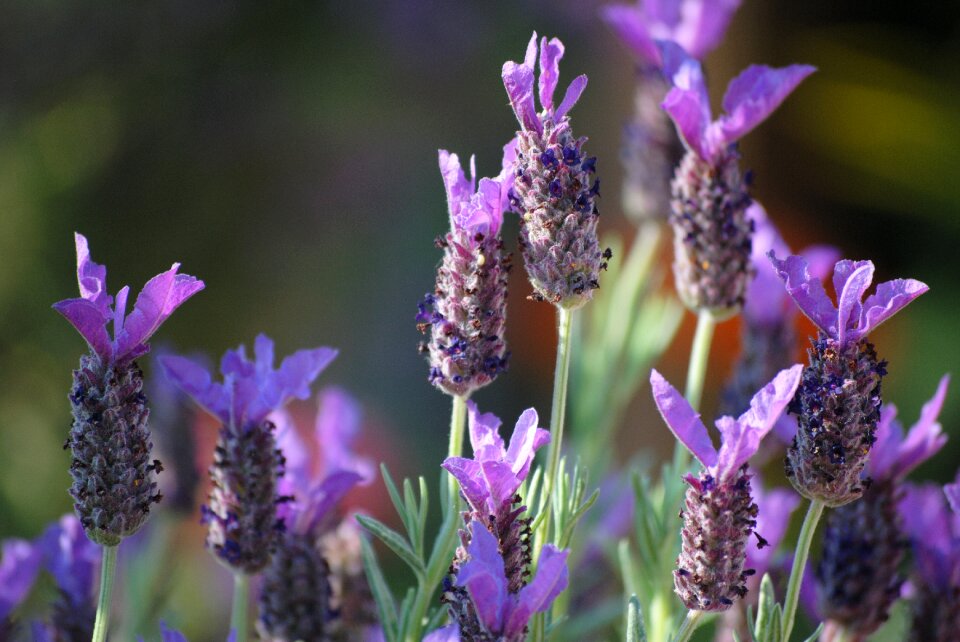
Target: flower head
point(740, 437)
point(750, 99)
point(855, 317)
point(695, 25)
point(518, 78)
point(95, 308)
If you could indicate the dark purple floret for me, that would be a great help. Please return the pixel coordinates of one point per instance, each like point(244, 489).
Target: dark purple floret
point(936, 614)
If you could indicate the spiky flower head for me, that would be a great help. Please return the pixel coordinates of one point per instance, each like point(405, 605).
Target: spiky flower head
point(113, 473)
point(242, 514)
point(481, 602)
point(712, 232)
point(838, 404)
point(490, 480)
point(863, 543)
point(467, 311)
point(553, 188)
point(719, 513)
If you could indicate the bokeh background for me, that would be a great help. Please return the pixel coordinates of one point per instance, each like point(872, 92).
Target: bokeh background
point(286, 154)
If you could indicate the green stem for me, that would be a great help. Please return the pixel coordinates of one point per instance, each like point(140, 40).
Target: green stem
point(241, 597)
point(557, 412)
point(446, 541)
point(799, 563)
point(108, 571)
point(699, 355)
point(690, 624)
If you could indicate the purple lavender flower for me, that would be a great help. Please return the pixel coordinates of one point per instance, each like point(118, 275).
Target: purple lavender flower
point(651, 147)
point(712, 233)
point(482, 604)
point(112, 471)
point(720, 514)
point(863, 542)
point(242, 515)
point(19, 565)
point(489, 482)
point(552, 188)
point(934, 531)
point(467, 311)
point(171, 635)
point(838, 404)
point(300, 598)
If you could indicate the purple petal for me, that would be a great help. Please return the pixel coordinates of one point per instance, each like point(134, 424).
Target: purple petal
point(120, 310)
point(291, 380)
point(851, 279)
point(518, 81)
point(170, 635)
point(296, 452)
point(570, 98)
point(323, 498)
point(90, 322)
point(470, 477)
point(807, 291)
point(682, 420)
point(524, 442)
point(773, 517)
point(72, 559)
point(687, 103)
point(484, 577)
point(458, 188)
point(890, 298)
point(91, 276)
point(337, 429)
point(551, 51)
point(770, 401)
point(925, 437)
point(889, 438)
point(754, 95)
point(537, 596)
point(485, 211)
point(161, 295)
point(19, 564)
point(500, 481)
point(767, 303)
point(484, 431)
point(629, 25)
point(449, 633)
point(704, 24)
point(193, 379)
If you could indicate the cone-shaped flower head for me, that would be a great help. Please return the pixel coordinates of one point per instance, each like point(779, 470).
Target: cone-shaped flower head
point(931, 517)
point(489, 482)
point(552, 188)
point(719, 513)
point(297, 598)
point(467, 311)
point(242, 515)
point(112, 471)
point(484, 608)
point(712, 232)
point(19, 564)
point(863, 541)
point(838, 404)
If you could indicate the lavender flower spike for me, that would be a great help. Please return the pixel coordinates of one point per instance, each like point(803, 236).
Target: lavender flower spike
point(863, 542)
point(467, 311)
point(112, 471)
point(720, 514)
point(552, 188)
point(488, 610)
point(838, 404)
point(242, 515)
point(712, 233)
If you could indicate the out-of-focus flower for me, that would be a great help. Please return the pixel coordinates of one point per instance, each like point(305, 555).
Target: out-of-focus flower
point(19, 565)
point(171, 635)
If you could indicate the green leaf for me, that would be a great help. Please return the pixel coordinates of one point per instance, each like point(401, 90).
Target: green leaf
point(413, 525)
point(398, 504)
point(635, 628)
point(769, 613)
point(816, 634)
point(394, 542)
point(386, 605)
point(405, 610)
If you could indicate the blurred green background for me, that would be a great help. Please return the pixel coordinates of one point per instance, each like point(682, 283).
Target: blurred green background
point(285, 153)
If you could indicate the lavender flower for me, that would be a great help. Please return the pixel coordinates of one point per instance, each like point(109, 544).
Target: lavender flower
point(482, 604)
point(712, 233)
point(489, 483)
point(934, 531)
point(467, 311)
point(172, 635)
point(552, 188)
point(299, 597)
point(112, 471)
point(838, 404)
point(863, 542)
point(19, 565)
point(242, 516)
point(720, 514)
point(651, 147)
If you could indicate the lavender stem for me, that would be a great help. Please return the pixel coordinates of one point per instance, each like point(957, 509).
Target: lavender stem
point(241, 597)
point(690, 624)
point(799, 563)
point(107, 575)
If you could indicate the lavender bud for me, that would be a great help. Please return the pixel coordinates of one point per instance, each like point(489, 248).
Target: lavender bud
point(113, 473)
point(862, 550)
point(296, 593)
point(717, 521)
point(243, 528)
point(712, 234)
point(838, 407)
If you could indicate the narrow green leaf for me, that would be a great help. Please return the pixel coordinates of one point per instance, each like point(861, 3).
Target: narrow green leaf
point(394, 542)
point(413, 511)
point(422, 513)
point(405, 609)
point(635, 628)
point(386, 605)
point(816, 634)
point(398, 504)
point(575, 517)
point(767, 626)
